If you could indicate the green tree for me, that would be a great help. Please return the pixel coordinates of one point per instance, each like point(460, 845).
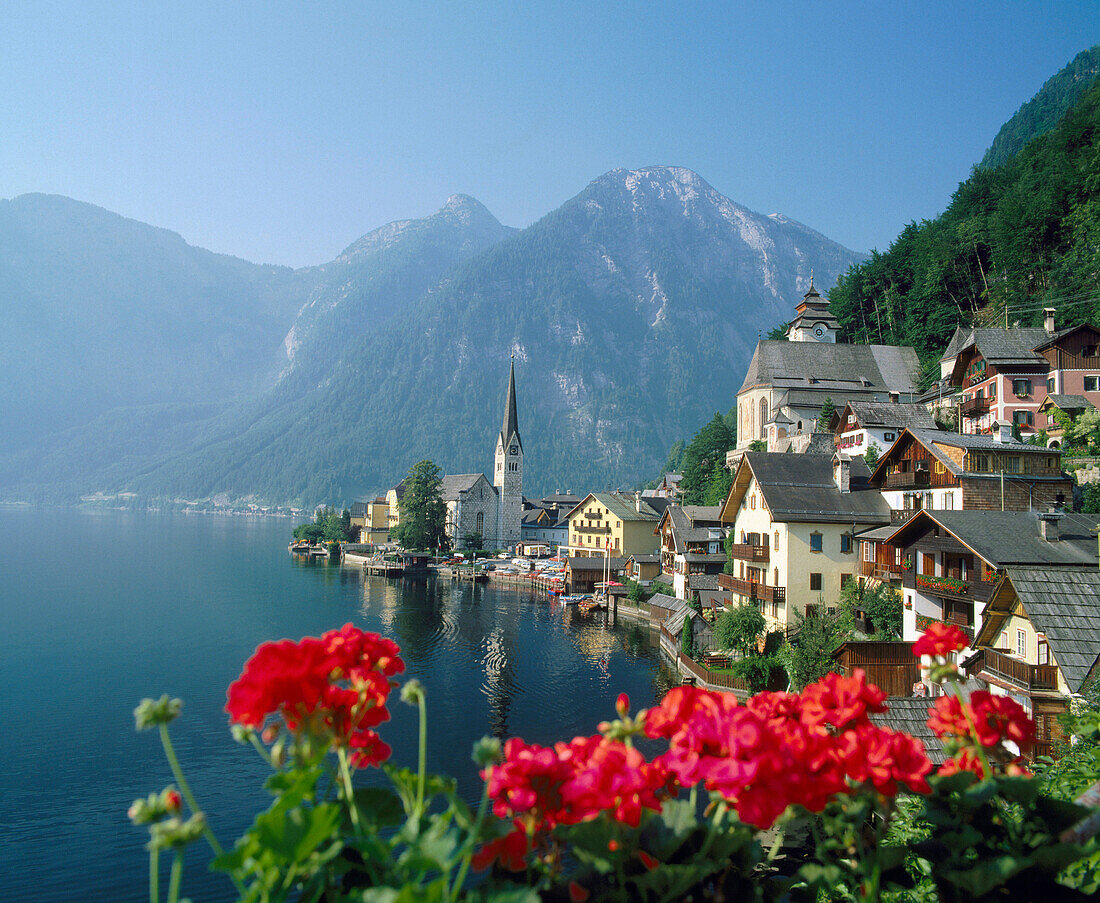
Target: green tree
point(738, 628)
point(871, 456)
point(828, 409)
point(880, 603)
point(721, 479)
point(472, 540)
point(707, 448)
point(758, 445)
point(423, 512)
point(809, 655)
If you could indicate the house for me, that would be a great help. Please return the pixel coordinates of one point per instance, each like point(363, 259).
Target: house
point(938, 470)
point(1005, 374)
point(472, 507)
point(691, 544)
point(583, 572)
point(393, 503)
point(545, 520)
point(1071, 406)
point(1039, 640)
point(788, 382)
point(860, 424)
point(371, 519)
point(612, 523)
point(643, 567)
point(794, 520)
point(954, 559)
point(668, 488)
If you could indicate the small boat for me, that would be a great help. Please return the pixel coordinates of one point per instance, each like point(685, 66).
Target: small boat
point(584, 607)
point(575, 599)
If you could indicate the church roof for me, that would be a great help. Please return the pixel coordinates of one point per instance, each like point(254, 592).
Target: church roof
point(511, 419)
point(455, 483)
point(861, 368)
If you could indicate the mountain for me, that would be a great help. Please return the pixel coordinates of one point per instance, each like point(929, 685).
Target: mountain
point(632, 311)
point(101, 313)
point(168, 345)
point(1040, 114)
point(1015, 239)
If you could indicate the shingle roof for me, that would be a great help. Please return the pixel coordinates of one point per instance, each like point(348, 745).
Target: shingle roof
point(454, 483)
point(874, 413)
point(661, 600)
point(647, 558)
point(358, 509)
point(705, 557)
point(1005, 538)
point(910, 714)
point(955, 344)
point(1008, 346)
point(703, 581)
point(622, 506)
point(800, 488)
point(931, 438)
point(693, 523)
point(594, 563)
point(1065, 606)
point(885, 367)
point(1066, 402)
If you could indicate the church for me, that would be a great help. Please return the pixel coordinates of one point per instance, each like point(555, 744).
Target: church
point(494, 511)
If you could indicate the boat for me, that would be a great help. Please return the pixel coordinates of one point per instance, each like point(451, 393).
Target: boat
point(575, 598)
point(585, 606)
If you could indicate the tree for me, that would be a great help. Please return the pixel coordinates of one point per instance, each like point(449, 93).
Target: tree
point(826, 415)
point(737, 628)
point(721, 479)
point(809, 656)
point(871, 456)
point(758, 445)
point(472, 540)
point(423, 523)
point(707, 448)
point(881, 604)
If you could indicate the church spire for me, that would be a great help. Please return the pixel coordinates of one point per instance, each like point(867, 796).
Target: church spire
point(511, 420)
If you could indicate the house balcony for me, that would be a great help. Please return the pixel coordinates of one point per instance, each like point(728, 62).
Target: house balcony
point(746, 551)
point(998, 666)
point(753, 590)
point(975, 407)
point(972, 590)
point(923, 622)
point(881, 570)
point(600, 530)
point(909, 479)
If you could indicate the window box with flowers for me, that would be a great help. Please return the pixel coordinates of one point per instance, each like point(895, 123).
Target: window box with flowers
point(942, 584)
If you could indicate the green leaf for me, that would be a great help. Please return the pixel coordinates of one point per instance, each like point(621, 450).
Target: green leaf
point(297, 833)
point(986, 875)
point(380, 805)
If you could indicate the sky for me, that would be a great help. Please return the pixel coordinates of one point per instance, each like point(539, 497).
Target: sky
point(281, 132)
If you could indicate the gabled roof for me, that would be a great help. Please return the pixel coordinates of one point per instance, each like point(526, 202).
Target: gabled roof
point(358, 509)
point(703, 582)
point(594, 563)
point(889, 414)
point(646, 558)
point(662, 600)
point(1003, 347)
point(781, 363)
point(1066, 403)
point(1063, 605)
point(1063, 333)
point(690, 523)
point(1005, 538)
point(624, 507)
point(455, 483)
point(930, 439)
point(801, 489)
point(958, 338)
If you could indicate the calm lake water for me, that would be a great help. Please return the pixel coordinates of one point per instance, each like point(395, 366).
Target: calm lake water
point(103, 609)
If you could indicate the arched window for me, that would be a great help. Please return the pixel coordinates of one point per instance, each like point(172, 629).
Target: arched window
point(763, 417)
point(481, 522)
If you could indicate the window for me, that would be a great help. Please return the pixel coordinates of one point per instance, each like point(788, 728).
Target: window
point(940, 468)
point(846, 543)
point(775, 609)
point(1088, 351)
point(888, 437)
point(480, 522)
point(775, 547)
point(868, 550)
point(1092, 383)
point(775, 578)
point(1044, 653)
point(845, 579)
point(948, 501)
point(1004, 640)
point(1021, 387)
point(815, 542)
point(1050, 383)
point(1021, 643)
point(1023, 418)
point(1013, 464)
point(992, 389)
point(752, 502)
point(815, 582)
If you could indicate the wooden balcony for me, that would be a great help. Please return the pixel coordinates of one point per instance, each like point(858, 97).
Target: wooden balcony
point(582, 529)
point(909, 479)
point(923, 621)
point(973, 589)
point(746, 551)
point(753, 590)
point(975, 407)
point(881, 570)
point(996, 664)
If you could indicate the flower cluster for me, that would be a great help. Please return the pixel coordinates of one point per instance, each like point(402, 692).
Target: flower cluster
point(976, 730)
point(540, 787)
point(332, 688)
point(782, 749)
point(940, 640)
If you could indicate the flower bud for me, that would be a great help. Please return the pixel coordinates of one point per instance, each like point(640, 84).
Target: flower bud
point(412, 692)
point(171, 800)
point(153, 712)
point(174, 833)
point(622, 705)
point(487, 751)
point(240, 733)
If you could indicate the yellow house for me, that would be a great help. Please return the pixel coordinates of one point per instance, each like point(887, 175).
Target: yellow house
point(372, 520)
point(612, 521)
point(793, 520)
point(393, 500)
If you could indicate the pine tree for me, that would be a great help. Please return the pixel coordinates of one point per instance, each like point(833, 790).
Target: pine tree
point(423, 522)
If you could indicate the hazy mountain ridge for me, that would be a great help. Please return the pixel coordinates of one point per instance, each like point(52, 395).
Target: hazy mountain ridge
point(632, 311)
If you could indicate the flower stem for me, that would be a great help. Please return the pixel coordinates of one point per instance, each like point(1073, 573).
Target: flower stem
point(175, 878)
point(349, 790)
point(185, 789)
point(471, 842)
point(422, 757)
point(712, 828)
point(154, 876)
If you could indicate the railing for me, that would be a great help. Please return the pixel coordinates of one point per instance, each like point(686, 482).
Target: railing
point(880, 570)
point(973, 589)
point(901, 516)
point(941, 585)
point(923, 621)
point(746, 551)
point(752, 589)
point(1029, 677)
point(908, 479)
point(582, 529)
point(975, 406)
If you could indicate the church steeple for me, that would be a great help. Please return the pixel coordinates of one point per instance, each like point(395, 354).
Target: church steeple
point(511, 420)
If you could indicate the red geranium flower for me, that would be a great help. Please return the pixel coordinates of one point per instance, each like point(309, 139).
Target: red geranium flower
point(940, 639)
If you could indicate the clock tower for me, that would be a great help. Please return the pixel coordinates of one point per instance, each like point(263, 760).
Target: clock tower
point(814, 322)
point(508, 469)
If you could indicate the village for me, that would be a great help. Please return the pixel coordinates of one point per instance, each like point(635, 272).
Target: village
point(846, 479)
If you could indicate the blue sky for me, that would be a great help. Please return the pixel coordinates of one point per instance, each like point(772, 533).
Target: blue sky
point(280, 132)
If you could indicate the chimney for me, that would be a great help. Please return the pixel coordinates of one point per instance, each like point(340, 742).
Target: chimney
point(1048, 320)
point(843, 473)
point(1048, 525)
point(638, 501)
point(1002, 431)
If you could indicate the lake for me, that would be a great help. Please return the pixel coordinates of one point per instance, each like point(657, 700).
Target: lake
point(106, 608)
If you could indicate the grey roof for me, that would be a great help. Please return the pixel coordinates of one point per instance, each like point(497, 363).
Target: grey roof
point(661, 600)
point(646, 558)
point(560, 499)
point(705, 557)
point(510, 426)
point(1004, 538)
point(1066, 402)
point(594, 563)
point(800, 488)
point(622, 506)
point(693, 523)
point(703, 581)
point(455, 483)
point(931, 438)
point(910, 714)
point(358, 509)
point(1008, 346)
point(874, 413)
point(878, 534)
point(1065, 606)
point(955, 344)
point(885, 367)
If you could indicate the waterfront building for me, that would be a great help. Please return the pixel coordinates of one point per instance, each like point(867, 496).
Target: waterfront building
point(613, 523)
point(508, 470)
point(472, 506)
point(691, 545)
point(371, 519)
